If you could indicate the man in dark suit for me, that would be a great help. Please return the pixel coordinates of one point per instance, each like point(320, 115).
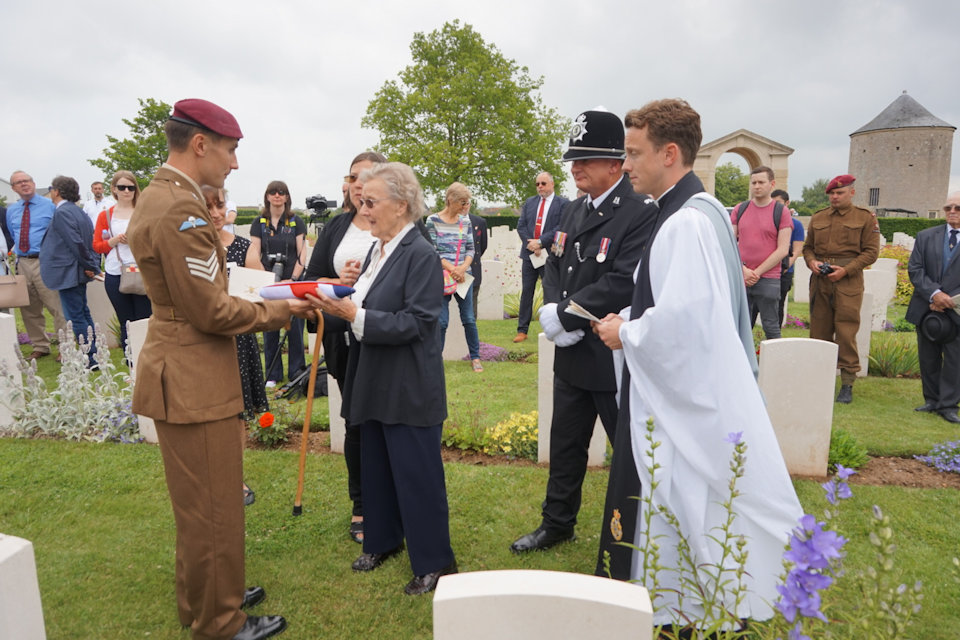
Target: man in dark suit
point(594, 252)
point(480, 247)
point(539, 218)
point(935, 273)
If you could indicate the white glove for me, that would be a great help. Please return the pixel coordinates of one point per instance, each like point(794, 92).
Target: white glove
point(568, 338)
point(549, 320)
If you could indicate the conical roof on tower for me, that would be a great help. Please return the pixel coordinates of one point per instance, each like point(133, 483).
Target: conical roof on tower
point(902, 113)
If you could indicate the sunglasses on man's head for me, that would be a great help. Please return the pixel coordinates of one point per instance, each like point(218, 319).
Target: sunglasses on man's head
point(126, 187)
point(541, 184)
point(951, 207)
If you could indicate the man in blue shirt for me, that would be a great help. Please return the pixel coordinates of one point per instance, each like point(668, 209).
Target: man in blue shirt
point(27, 220)
point(796, 249)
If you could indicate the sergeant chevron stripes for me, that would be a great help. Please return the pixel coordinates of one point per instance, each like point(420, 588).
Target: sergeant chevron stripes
point(206, 269)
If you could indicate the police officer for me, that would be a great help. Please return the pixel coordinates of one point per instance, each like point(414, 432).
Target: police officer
point(594, 253)
point(841, 241)
point(187, 376)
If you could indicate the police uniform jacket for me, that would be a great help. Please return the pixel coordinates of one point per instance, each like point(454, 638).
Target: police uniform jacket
point(845, 237)
point(187, 371)
point(573, 272)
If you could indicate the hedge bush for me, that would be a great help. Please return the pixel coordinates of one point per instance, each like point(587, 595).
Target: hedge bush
point(910, 226)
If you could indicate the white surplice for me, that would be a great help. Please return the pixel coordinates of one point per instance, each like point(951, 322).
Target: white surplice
point(690, 373)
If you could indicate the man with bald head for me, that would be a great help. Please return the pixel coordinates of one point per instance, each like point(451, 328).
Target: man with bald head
point(27, 220)
point(935, 273)
point(538, 222)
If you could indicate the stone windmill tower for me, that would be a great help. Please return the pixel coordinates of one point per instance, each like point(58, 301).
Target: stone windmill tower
point(901, 160)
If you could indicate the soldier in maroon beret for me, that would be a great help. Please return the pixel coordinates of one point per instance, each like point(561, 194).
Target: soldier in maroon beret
point(841, 242)
point(187, 375)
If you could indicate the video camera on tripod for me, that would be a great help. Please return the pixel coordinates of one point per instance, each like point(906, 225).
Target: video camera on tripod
point(319, 210)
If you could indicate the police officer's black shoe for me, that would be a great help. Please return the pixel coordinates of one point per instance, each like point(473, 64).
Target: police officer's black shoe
point(261, 627)
point(927, 407)
point(541, 538)
point(846, 394)
point(950, 415)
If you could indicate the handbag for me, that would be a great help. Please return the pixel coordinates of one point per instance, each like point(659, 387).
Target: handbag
point(449, 284)
point(131, 281)
point(13, 292)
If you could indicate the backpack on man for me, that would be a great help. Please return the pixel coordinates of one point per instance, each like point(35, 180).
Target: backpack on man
point(777, 216)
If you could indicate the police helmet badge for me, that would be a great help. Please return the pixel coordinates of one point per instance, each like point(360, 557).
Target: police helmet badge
point(596, 133)
point(579, 127)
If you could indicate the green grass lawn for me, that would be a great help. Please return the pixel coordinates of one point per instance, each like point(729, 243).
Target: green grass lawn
point(102, 527)
point(103, 533)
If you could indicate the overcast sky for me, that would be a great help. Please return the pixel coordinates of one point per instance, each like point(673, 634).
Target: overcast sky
point(298, 75)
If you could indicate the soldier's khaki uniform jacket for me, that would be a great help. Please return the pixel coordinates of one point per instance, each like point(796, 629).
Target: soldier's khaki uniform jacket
point(187, 371)
point(844, 237)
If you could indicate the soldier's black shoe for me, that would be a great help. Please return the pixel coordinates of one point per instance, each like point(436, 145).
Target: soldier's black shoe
point(542, 538)
point(928, 407)
point(846, 394)
point(950, 415)
point(252, 597)
point(260, 627)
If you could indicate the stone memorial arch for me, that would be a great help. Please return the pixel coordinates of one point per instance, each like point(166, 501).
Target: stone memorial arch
point(753, 148)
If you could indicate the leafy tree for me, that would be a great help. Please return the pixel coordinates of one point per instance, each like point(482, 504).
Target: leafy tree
point(732, 186)
point(814, 198)
point(463, 112)
point(146, 148)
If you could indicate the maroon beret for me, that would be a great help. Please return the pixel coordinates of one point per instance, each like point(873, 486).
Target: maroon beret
point(206, 115)
point(840, 181)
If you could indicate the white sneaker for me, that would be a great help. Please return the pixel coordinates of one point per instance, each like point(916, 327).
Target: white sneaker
point(270, 384)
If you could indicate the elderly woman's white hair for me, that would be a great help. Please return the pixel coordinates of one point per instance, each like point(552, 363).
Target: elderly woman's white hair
point(402, 184)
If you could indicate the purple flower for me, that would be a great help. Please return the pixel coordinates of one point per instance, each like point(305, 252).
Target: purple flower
point(794, 599)
point(812, 547)
point(796, 633)
point(734, 437)
point(843, 473)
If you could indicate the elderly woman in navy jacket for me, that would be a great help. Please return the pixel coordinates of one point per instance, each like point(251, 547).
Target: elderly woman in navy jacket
point(67, 259)
point(400, 402)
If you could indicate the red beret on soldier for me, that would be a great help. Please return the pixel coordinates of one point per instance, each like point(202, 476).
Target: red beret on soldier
point(840, 181)
point(206, 115)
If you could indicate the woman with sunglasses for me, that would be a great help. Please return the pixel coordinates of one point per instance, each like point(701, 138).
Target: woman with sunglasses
point(341, 248)
point(452, 234)
point(110, 239)
point(278, 236)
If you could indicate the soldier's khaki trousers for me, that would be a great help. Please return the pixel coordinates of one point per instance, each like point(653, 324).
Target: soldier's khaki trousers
point(203, 464)
point(835, 317)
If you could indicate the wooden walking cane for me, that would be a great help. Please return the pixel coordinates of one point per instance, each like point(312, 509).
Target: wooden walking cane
point(311, 385)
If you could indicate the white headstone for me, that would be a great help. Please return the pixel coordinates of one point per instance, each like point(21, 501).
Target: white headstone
point(21, 612)
point(504, 246)
point(338, 427)
point(863, 334)
point(490, 300)
point(136, 336)
point(101, 310)
point(883, 241)
point(246, 283)
point(881, 284)
point(455, 344)
point(885, 264)
point(597, 450)
point(8, 356)
point(801, 281)
point(904, 240)
point(539, 605)
point(797, 377)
